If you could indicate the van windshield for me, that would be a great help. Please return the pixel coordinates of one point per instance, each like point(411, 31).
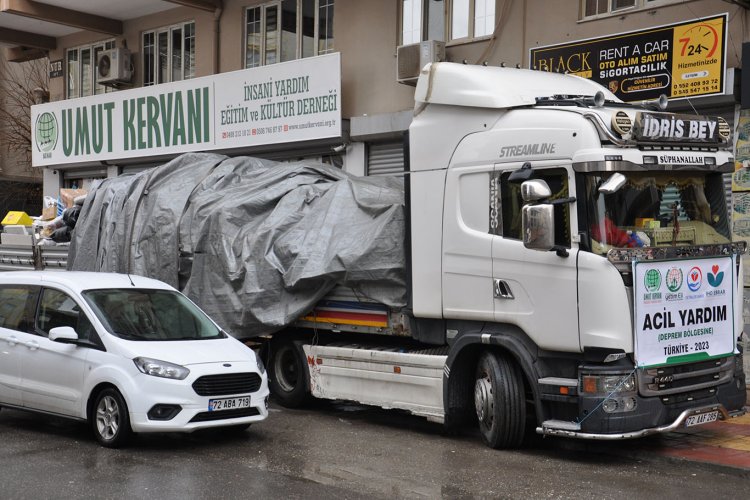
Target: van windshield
point(147, 314)
point(657, 209)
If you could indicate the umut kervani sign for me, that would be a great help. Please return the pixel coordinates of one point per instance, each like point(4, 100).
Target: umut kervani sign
point(287, 102)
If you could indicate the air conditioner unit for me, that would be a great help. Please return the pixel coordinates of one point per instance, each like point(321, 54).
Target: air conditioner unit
point(410, 59)
point(114, 66)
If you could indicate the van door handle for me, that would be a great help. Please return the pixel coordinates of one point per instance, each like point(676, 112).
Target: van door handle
point(32, 344)
point(12, 340)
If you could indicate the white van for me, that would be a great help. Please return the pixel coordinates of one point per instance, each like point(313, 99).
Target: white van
point(123, 352)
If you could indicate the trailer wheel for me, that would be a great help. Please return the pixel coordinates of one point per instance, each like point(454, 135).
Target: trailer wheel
point(286, 376)
point(499, 401)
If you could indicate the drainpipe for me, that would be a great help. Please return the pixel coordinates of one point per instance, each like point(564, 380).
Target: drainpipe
point(217, 31)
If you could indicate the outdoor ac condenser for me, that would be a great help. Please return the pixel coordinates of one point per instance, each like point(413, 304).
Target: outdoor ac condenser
point(114, 66)
point(410, 59)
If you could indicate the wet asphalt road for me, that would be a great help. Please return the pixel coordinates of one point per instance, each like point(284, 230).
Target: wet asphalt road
point(333, 451)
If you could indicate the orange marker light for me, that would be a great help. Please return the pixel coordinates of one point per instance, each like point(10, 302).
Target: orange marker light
point(589, 384)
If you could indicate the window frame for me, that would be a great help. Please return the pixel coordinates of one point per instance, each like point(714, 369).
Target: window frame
point(93, 49)
point(447, 20)
point(299, 43)
point(187, 33)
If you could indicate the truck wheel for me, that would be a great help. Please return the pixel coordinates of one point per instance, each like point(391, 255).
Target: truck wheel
point(110, 419)
point(286, 376)
point(499, 401)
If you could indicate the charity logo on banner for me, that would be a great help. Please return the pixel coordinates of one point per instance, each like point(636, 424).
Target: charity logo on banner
point(683, 310)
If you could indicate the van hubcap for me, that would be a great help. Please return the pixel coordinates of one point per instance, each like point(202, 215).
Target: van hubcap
point(107, 417)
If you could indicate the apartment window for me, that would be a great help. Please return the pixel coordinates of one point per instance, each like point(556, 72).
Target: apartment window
point(422, 20)
point(426, 19)
point(169, 54)
point(285, 30)
point(82, 77)
point(592, 8)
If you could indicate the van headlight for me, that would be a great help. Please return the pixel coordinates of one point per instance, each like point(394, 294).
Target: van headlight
point(159, 368)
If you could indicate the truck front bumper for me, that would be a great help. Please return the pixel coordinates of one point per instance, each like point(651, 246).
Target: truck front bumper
point(573, 429)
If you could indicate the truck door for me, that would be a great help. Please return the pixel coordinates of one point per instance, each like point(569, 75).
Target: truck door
point(532, 289)
point(467, 244)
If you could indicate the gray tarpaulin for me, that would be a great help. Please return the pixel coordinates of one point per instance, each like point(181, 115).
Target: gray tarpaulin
point(255, 243)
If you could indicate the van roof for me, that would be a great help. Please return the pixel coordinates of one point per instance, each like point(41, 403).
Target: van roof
point(79, 280)
point(493, 87)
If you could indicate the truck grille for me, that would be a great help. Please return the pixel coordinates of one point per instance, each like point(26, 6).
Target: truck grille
point(685, 382)
point(209, 416)
point(222, 385)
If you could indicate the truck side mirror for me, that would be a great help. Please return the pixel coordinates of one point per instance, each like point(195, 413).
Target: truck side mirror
point(537, 219)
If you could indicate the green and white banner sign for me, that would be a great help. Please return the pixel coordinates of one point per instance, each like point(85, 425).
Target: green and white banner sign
point(684, 310)
point(287, 102)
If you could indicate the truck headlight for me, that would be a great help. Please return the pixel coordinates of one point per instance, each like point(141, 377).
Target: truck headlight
point(616, 390)
point(607, 385)
point(159, 368)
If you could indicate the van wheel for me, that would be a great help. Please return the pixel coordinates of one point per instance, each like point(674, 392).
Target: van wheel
point(286, 375)
point(110, 419)
point(499, 401)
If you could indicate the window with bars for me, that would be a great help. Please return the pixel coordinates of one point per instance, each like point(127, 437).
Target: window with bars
point(82, 77)
point(285, 30)
point(168, 54)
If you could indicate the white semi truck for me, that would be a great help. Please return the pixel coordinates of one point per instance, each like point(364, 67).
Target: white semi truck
point(571, 270)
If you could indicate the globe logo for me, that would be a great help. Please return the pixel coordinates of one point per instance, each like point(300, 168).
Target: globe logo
point(45, 132)
point(652, 280)
point(695, 279)
point(674, 279)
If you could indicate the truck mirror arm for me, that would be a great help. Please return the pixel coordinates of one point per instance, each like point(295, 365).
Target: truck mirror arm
point(562, 201)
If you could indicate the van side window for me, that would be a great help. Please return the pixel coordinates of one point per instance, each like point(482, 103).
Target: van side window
point(17, 304)
point(58, 309)
point(511, 204)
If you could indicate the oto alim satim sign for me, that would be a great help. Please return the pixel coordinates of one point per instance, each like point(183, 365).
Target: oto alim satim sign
point(680, 60)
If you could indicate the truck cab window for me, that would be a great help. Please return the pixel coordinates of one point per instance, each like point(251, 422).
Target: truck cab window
point(511, 204)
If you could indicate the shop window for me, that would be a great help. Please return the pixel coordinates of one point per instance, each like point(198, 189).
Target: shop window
point(169, 54)
point(82, 77)
point(286, 30)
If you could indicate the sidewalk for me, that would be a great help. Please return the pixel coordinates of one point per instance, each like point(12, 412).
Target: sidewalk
point(724, 443)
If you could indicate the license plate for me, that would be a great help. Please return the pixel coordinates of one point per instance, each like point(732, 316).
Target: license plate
point(228, 403)
point(702, 418)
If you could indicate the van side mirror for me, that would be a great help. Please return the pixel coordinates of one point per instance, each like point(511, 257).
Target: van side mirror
point(537, 219)
point(64, 335)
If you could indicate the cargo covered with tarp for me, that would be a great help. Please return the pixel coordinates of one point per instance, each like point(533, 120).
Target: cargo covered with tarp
point(255, 243)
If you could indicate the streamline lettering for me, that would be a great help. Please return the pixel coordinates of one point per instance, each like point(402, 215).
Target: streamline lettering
point(544, 148)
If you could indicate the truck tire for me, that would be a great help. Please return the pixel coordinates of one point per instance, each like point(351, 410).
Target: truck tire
point(499, 401)
point(286, 375)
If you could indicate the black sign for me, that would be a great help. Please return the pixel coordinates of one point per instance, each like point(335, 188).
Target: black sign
point(663, 127)
point(56, 69)
point(679, 60)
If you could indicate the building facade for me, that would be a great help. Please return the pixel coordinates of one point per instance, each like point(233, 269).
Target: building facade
point(379, 45)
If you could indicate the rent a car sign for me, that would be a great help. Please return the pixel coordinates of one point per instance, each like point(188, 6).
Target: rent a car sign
point(683, 310)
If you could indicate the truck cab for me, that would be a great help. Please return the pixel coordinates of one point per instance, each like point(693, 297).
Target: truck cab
point(584, 247)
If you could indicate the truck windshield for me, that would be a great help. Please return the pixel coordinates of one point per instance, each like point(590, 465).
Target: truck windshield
point(148, 315)
point(657, 209)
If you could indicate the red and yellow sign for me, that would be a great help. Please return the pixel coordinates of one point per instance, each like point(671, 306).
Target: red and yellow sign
point(698, 58)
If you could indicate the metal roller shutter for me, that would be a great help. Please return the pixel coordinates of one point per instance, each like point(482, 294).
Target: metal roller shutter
point(385, 158)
